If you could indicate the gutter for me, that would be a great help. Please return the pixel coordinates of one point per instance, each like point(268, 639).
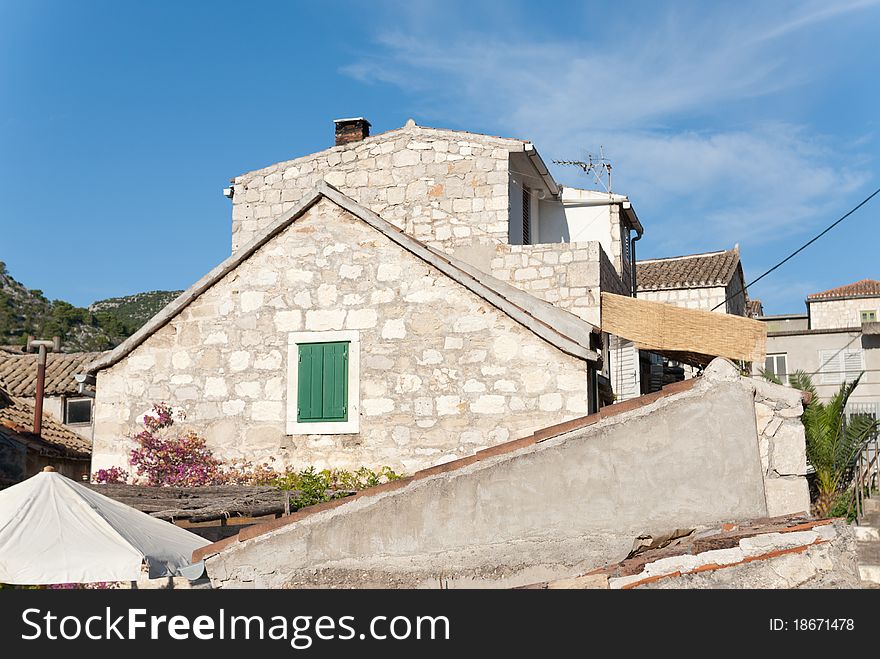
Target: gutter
point(541, 168)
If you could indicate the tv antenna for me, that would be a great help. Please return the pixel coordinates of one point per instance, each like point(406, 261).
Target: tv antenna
point(599, 167)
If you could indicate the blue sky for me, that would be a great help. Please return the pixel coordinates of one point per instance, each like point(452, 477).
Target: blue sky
point(744, 122)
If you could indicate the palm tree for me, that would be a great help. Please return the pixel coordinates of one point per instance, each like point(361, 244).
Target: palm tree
point(832, 441)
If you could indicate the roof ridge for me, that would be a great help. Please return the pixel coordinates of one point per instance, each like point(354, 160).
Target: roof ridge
point(850, 290)
point(562, 329)
point(687, 256)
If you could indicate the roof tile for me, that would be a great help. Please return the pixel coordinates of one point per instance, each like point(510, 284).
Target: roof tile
point(17, 422)
point(863, 288)
point(18, 372)
point(710, 269)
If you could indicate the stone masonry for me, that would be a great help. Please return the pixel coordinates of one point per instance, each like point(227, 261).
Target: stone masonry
point(446, 188)
point(840, 314)
point(442, 372)
point(569, 275)
point(705, 298)
point(782, 444)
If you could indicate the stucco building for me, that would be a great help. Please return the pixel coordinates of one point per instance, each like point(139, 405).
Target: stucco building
point(403, 299)
point(836, 340)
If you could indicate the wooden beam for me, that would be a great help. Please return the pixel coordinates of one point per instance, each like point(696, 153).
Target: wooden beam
point(693, 335)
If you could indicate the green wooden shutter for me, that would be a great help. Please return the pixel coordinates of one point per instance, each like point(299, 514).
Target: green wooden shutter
point(335, 407)
point(308, 399)
point(322, 388)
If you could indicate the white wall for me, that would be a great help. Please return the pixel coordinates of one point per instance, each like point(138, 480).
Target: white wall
point(569, 223)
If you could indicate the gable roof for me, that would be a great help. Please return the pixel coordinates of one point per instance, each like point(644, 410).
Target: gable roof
point(691, 271)
point(18, 372)
point(862, 288)
point(17, 423)
point(560, 328)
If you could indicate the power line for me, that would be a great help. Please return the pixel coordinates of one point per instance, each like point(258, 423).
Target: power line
point(799, 249)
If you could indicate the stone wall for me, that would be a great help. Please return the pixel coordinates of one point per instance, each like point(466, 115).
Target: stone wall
point(446, 188)
point(442, 372)
point(555, 505)
point(840, 314)
point(569, 275)
point(782, 444)
point(690, 298)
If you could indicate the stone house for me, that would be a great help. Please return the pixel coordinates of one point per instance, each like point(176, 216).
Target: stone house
point(838, 338)
point(488, 201)
point(336, 339)
point(63, 398)
point(696, 281)
point(406, 298)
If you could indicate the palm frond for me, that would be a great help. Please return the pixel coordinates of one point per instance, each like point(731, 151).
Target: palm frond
point(770, 377)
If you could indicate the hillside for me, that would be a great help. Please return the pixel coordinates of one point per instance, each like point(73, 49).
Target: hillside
point(103, 325)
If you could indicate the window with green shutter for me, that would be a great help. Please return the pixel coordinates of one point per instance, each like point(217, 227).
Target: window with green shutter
point(322, 382)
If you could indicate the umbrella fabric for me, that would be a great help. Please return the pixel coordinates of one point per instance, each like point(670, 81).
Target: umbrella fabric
point(54, 530)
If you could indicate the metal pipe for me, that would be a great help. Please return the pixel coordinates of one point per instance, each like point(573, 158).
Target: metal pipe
point(632, 256)
point(44, 347)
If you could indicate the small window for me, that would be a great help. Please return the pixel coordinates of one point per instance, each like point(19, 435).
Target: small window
point(78, 410)
point(323, 395)
point(777, 365)
point(869, 316)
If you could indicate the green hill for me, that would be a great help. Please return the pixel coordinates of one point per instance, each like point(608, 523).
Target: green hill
point(103, 325)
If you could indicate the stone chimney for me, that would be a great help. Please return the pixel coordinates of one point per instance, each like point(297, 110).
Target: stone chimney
point(351, 130)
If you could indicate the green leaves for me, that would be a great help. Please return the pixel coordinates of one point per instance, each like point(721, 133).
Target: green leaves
point(832, 442)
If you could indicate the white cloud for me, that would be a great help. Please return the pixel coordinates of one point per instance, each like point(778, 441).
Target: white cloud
point(739, 176)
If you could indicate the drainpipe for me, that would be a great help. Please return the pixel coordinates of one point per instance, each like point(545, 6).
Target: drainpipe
point(632, 255)
point(43, 347)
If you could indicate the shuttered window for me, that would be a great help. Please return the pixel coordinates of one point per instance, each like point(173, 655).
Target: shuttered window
point(838, 366)
point(322, 382)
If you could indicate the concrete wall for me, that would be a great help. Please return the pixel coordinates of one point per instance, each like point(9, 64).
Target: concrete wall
point(839, 314)
point(544, 510)
point(802, 351)
point(446, 188)
point(442, 372)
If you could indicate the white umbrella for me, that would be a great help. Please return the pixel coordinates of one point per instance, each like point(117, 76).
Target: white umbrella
point(54, 530)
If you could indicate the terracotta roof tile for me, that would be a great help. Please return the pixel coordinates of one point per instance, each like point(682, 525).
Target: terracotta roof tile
point(863, 288)
point(18, 373)
point(17, 422)
point(695, 270)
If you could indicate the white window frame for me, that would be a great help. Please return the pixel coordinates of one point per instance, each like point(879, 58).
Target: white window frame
point(776, 356)
point(77, 399)
point(352, 425)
